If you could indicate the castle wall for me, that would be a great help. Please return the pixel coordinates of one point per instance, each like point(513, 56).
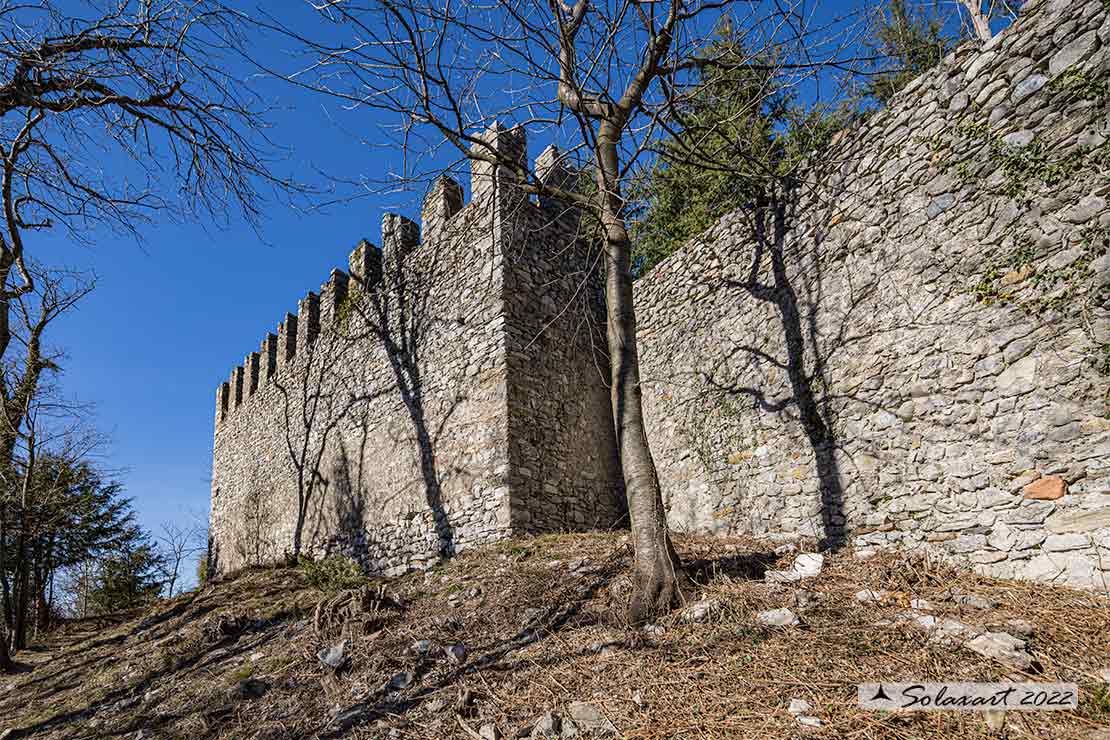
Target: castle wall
point(912, 350)
point(563, 445)
point(383, 421)
point(930, 366)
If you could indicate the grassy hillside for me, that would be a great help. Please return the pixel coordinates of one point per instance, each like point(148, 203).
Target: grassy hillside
point(530, 632)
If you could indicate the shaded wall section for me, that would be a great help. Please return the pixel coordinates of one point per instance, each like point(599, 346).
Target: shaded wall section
point(912, 348)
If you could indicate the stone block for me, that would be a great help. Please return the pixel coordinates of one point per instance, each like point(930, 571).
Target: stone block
point(1079, 520)
point(1046, 489)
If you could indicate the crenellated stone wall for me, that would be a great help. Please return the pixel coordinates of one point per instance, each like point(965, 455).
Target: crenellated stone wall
point(398, 416)
point(918, 355)
point(908, 348)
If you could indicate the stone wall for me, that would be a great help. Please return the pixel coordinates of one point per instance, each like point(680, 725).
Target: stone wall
point(564, 445)
point(912, 349)
point(909, 348)
point(398, 416)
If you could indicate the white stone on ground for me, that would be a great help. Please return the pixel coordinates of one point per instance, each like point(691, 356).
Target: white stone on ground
point(547, 726)
point(589, 717)
point(777, 617)
point(799, 706)
point(334, 656)
point(1020, 628)
point(868, 596)
point(1003, 648)
point(699, 611)
point(806, 565)
point(1000, 646)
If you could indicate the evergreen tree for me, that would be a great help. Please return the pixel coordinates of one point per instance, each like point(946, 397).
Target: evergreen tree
point(735, 133)
point(54, 540)
point(911, 42)
point(128, 577)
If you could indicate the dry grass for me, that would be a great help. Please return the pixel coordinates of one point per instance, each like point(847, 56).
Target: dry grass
point(541, 620)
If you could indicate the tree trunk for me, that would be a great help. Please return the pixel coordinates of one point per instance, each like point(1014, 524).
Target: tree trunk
point(44, 575)
point(6, 663)
point(980, 23)
point(658, 575)
point(5, 587)
point(22, 585)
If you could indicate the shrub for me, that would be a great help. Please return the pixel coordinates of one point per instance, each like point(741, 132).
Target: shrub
point(332, 574)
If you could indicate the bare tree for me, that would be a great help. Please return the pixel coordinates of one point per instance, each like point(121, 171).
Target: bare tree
point(979, 19)
point(178, 544)
point(6, 663)
point(144, 84)
point(598, 76)
point(981, 12)
point(599, 79)
point(32, 410)
point(53, 293)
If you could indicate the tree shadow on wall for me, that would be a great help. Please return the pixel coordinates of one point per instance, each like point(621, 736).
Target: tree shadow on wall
point(341, 394)
point(399, 318)
point(348, 499)
point(769, 221)
point(787, 271)
point(317, 400)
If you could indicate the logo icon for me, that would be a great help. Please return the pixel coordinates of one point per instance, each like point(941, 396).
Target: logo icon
point(880, 695)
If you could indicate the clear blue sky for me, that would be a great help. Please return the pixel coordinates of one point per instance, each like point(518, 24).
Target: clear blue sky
point(170, 318)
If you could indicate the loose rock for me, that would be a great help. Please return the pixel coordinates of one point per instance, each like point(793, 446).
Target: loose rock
point(868, 596)
point(1020, 628)
point(456, 653)
point(700, 610)
point(334, 656)
point(777, 617)
point(548, 725)
point(400, 681)
point(589, 717)
point(350, 717)
point(806, 565)
point(1003, 648)
point(799, 706)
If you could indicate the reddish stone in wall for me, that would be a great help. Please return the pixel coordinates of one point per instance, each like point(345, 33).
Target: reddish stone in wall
point(1046, 489)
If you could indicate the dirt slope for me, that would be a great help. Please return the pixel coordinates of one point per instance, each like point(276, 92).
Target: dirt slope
point(532, 628)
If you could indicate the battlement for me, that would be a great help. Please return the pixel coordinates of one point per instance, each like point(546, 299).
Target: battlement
point(405, 400)
point(492, 189)
point(974, 430)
